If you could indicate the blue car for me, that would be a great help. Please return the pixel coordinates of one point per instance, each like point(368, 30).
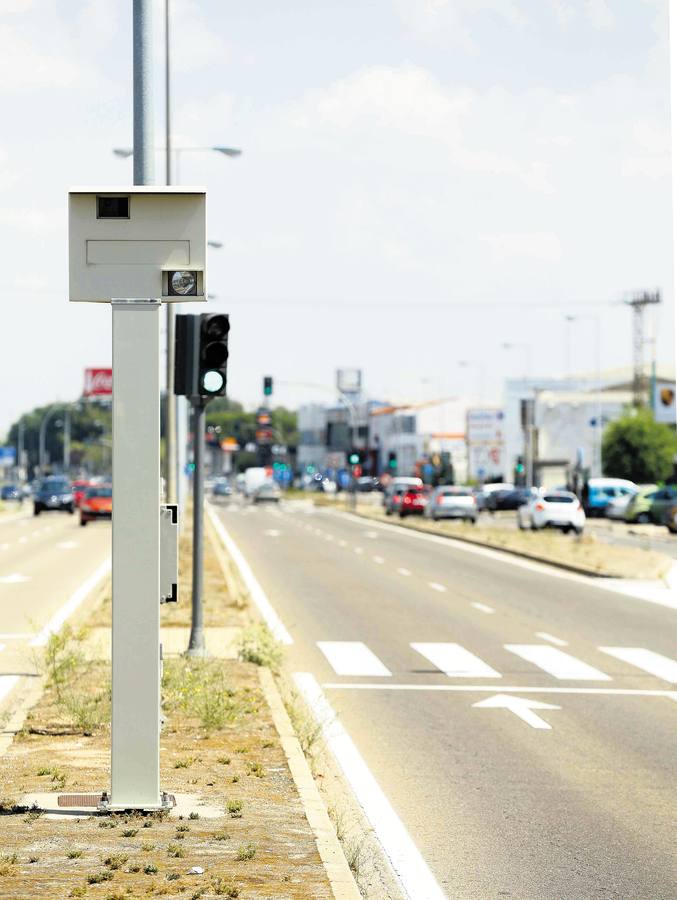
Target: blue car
point(54, 493)
point(11, 492)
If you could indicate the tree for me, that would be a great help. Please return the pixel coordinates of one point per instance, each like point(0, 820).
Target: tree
point(639, 448)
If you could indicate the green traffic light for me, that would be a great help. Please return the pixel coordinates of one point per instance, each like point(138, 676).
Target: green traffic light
point(354, 459)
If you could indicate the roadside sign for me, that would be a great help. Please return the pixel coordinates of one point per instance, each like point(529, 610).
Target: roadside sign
point(7, 456)
point(98, 383)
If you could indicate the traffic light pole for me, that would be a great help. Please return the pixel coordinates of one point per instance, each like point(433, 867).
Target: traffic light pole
point(196, 644)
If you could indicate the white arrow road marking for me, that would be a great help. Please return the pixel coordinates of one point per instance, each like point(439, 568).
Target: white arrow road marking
point(67, 545)
point(15, 578)
point(483, 608)
point(521, 706)
point(436, 586)
point(544, 636)
point(352, 658)
point(651, 662)
point(272, 532)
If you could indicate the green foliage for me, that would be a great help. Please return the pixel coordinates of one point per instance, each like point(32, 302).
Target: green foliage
point(199, 687)
point(62, 659)
point(258, 645)
point(638, 448)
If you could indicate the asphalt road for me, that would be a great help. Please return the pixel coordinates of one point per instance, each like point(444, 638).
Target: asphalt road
point(407, 634)
point(43, 562)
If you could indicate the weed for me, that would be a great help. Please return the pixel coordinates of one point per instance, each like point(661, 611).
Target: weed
point(223, 888)
point(62, 659)
point(224, 760)
point(130, 832)
point(74, 854)
point(198, 893)
point(45, 770)
point(246, 852)
point(134, 867)
point(242, 749)
point(258, 645)
point(255, 768)
point(108, 823)
point(308, 729)
point(355, 853)
point(222, 836)
point(175, 851)
point(115, 861)
point(235, 808)
point(183, 827)
point(194, 815)
point(79, 891)
point(99, 877)
point(87, 713)
point(338, 817)
point(32, 815)
point(148, 848)
point(268, 744)
point(198, 687)
point(148, 824)
point(33, 859)
point(184, 763)
point(150, 869)
point(173, 876)
point(235, 779)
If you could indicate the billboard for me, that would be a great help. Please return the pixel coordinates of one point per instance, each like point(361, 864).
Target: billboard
point(98, 383)
point(349, 381)
point(7, 456)
point(664, 402)
point(486, 443)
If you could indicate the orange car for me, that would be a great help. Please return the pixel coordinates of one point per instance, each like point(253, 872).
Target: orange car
point(79, 491)
point(96, 504)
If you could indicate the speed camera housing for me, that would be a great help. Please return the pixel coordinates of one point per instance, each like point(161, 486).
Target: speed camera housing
point(137, 242)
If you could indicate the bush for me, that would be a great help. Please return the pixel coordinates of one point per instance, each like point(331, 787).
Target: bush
point(639, 448)
point(258, 645)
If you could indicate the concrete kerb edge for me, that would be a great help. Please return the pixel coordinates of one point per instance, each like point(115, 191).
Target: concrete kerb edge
point(340, 877)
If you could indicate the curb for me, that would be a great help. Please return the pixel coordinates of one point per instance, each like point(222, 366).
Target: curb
point(338, 872)
point(567, 567)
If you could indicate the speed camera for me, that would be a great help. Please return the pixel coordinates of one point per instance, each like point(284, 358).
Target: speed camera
point(137, 242)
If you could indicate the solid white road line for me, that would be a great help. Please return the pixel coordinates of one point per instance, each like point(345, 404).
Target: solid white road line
point(258, 595)
point(7, 683)
point(404, 572)
point(544, 636)
point(14, 578)
point(483, 607)
point(484, 689)
point(352, 658)
point(2, 647)
point(67, 545)
point(378, 560)
point(455, 661)
point(653, 663)
point(69, 607)
point(436, 586)
point(556, 662)
point(416, 878)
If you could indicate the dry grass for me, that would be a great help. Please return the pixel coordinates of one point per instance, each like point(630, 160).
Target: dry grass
point(218, 744)
point(585, 553)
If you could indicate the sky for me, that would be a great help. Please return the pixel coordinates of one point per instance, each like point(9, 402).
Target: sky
point(421, 183)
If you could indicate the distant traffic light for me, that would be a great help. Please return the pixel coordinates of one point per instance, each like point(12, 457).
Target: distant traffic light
point(354, 458)
point(392, 461)
point(267, 385)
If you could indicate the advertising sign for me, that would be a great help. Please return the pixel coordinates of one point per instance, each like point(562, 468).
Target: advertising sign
point(98, 383)
point(349, 381)
point(486, 443)
point(664, 402)
point(7, 456)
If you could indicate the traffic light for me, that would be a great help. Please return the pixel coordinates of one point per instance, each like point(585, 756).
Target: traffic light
point(201, 355)
point(392, 462)
point(213, 357)
point(354, 458)
point(267, 385)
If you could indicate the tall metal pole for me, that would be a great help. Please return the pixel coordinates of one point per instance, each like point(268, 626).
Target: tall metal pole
point(196, 644)
point(136, 652)
point(170, 399)
point(67, 441)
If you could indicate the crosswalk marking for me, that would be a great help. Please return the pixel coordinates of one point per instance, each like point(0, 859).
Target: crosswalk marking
point(483, 608)
point(556, 662)
point(352, 658)
point(436, 586)
point(651, 662)
point(545, 636)
point(455, 661)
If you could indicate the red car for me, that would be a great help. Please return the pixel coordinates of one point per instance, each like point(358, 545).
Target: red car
point(97, 503)
point(414, 501)
point(79, 491)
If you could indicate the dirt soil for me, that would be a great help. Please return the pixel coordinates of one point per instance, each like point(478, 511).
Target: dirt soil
point(584, 553)
point(218, 744)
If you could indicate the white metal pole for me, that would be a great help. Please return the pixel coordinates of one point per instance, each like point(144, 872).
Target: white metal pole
point(135, 742)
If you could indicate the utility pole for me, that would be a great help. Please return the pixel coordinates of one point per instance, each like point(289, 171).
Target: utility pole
point(638, 303)
point(170, 313)
point(196, 642)
point(67, 441)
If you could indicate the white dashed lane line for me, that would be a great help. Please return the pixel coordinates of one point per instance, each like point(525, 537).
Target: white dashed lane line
point(436, 586)
point(482, 607)
point(378, 560)
point(544, 636)
point(358, 550)
point(404, 572)
point(343, 543)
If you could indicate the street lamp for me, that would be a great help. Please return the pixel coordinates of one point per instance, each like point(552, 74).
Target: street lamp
point(512, 345)
point(231, 152)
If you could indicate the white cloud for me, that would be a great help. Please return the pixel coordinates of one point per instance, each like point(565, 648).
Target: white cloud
point(541, 246)
point(24, 65)
point(599, 14)
point(450, 21)
point(31, 220)
point(14, 6)
point(194, 42)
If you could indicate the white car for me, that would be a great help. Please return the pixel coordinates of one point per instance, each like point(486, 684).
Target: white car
point(452, 503)
point(552, 509)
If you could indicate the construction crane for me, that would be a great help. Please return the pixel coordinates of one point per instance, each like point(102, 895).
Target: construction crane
point(638, 303)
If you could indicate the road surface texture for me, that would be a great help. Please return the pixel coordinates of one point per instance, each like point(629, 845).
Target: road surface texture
point(44, 561)
point(520, 723)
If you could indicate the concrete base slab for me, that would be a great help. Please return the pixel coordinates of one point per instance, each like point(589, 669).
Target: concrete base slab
point(47, 804)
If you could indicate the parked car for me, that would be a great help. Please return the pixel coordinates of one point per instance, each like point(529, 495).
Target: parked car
point(602, 491)
point(511, 500)
point(651, 505)
point(96, 504)
point(452, 503)
point(268, 490)
point(221, 489)
point(79, 490)
point(11, 492)
point(393, 500)
point(367, 483)
point(414, 501)
point(397, 485)
point(671, 519)
point(53, 493)
point(553, 509)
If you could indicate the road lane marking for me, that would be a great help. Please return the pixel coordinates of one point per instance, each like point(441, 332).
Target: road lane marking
point(484, 689)
point(23, 539)
point(556, 662)
point(2, 647)
point(378, 560)
point(67, 545)
point(436, 586)
point(370, 534)
point(256, 591)
point(69, 607)
point(482, 607)
point(358, 550)
point(329, 537)
point(272, 532)
point(4, 546)
point(7, 683)
point(653, 663)
point(551, 638)
point(352, 658)
point(410, 867)
point(343, 543)
point(404, 572)
point(520, 706)
point(14, 578)
point(455, 661)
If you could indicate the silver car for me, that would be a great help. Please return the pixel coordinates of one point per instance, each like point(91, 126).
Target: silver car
point(448, 502)
point(269, 490)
